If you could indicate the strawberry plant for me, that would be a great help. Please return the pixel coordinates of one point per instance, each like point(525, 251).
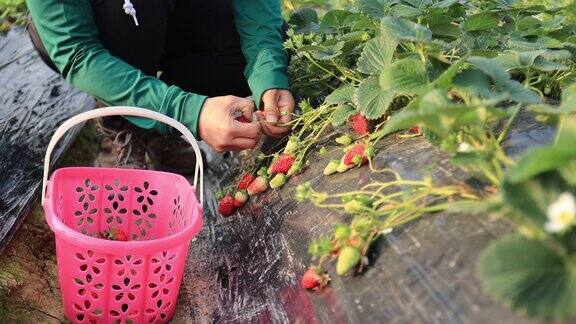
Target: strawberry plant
point(376, 209)
point(458, 73)
point(538, 196)
point(12, 12)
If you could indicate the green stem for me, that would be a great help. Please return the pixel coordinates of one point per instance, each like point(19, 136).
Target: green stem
point(561, 122)
point(508, 123)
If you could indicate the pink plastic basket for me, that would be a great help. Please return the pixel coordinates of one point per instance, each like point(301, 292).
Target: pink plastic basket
point(112, 281)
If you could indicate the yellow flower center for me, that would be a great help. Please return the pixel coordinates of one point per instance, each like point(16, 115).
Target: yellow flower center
point(565, 217)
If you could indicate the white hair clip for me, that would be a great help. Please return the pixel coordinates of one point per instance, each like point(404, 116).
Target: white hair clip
point(129, 10)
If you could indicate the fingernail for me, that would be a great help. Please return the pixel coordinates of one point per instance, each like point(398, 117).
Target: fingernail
point(271, 118)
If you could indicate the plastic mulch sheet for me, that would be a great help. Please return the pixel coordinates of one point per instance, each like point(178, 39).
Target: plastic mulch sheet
point(247, 267)
point(33, 102)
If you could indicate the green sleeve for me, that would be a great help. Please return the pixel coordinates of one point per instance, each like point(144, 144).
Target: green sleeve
point(70, 35)
point(259, 24)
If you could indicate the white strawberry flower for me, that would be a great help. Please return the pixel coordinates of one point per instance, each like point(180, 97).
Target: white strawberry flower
point(387, 230)
point(464, 147)
point(561, 213)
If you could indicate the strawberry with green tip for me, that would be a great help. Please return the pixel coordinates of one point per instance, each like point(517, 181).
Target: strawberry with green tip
point(240, 198)
point(278, 181)
point(348, 258)
point(226, 206)
point(332, 167)
point(118, 235)
point(114, 234)
point(258, 186)
point(343, 167)
point(356, 155)
point(313, 279)
point(282, 164)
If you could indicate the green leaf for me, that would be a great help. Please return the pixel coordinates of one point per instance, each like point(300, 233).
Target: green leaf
point(342, 113)
point(554, 23)
point(537, 161)
point(530, 199)
point(444, 3)
point(473, 82)
point(517, 60)
point(530, 276)
point(511, 60)
point(304, 20)
point(334, 20)
point(405, 30)
point(446, 79)
point(371, 99)
point(377, 54)
point(543, 64)
point(491, 68)
point(446, 30)
point(481, 21)
point(340, 95)
point(436, 102)
point(325, 53)
point(404, 11)
point(527, 23)
point(405, 76)
point(403, 119)
point(375, 8)
point(502, 80)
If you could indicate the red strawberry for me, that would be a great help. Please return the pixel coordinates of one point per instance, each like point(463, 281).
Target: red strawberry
point(240, 198)
point(282, 164)
point(312, 280)
point(415, 130)
point(360, 124)
point(243, 119)
point(259, 185)
point(226, 206)
point(245, 181)
point(356, 155)
point(117, 234)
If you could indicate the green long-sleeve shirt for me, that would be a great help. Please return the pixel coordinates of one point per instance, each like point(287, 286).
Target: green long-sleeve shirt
point(70, 35)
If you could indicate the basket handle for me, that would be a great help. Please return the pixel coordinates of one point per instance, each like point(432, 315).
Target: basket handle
point(126, 111)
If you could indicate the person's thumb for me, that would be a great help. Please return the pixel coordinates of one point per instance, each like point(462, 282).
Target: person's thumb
point(270, 101)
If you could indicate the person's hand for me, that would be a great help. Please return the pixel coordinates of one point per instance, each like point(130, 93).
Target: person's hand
point(278, 106)
point(219, 128)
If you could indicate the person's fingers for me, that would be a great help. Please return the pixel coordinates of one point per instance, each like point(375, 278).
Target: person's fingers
point(270, 101)
point(245, 106)
point(286, 106)
point(269, 129)
point(246, 130)
point(242, 144)
point(260, 115)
